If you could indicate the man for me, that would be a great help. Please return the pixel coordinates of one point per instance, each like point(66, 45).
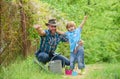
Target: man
point(49, 41)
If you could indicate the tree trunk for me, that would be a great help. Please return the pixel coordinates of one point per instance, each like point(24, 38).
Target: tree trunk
point(0, 30)
point(23, 25)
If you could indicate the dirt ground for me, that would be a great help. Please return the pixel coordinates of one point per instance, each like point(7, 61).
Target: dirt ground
point(88, 68)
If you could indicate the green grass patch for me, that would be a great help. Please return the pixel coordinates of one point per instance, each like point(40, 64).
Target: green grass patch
point(105, 71)
point(26, 70)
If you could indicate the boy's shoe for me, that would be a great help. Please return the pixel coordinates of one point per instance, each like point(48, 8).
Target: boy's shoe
point(82, 71)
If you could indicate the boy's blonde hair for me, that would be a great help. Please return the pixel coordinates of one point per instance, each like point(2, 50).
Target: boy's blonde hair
point(71, 23)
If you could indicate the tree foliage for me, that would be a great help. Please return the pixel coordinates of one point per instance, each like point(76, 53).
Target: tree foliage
point(102, 30)
point(101, 33)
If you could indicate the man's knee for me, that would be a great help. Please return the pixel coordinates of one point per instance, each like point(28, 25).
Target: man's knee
point(43, 57)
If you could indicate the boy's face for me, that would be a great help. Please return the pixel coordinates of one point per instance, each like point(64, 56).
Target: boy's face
point(70, 28)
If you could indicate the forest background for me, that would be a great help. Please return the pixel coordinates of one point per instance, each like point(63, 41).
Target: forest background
point(101, 33)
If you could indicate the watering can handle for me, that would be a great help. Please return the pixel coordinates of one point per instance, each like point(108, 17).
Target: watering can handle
point(54, 56)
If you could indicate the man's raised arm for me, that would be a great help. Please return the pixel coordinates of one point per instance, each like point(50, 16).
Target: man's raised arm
point(39, 29)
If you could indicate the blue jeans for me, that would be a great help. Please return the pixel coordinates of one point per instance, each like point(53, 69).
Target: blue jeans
point(78, 57)
point(44, 57)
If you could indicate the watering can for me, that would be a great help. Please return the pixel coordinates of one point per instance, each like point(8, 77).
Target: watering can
point(55, 66)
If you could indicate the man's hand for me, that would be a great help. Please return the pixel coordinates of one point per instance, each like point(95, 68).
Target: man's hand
point(39, 29)
point(60, 32)
point(37, 26)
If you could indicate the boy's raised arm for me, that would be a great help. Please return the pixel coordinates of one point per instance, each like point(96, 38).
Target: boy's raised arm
point(83, 22)
point(60, 32)
point(39, 29)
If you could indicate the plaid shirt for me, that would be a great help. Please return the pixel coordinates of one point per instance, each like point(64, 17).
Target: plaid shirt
point(49, 42)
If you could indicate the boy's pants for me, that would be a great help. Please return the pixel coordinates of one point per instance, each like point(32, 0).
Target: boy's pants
point(79, 57)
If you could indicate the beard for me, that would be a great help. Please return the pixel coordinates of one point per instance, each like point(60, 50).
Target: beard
point(53, 31)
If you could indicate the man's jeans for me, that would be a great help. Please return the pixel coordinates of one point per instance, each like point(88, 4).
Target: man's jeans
point(45, 57)
point(78, 57)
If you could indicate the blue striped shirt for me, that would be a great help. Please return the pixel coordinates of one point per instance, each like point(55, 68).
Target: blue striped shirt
point(49, 42)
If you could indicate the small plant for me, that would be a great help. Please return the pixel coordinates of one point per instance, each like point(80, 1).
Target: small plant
point(67, 68)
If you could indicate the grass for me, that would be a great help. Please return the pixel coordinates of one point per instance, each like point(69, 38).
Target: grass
point(27, 69)
point(104, 71)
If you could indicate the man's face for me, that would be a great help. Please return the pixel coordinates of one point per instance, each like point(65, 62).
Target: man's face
point(52, 29)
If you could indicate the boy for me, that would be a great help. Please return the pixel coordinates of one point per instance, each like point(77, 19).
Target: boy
point(76, 44)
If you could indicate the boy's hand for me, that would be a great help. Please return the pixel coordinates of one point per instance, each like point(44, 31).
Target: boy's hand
point(83, 22)
point(85, 17)
point(81, 42)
